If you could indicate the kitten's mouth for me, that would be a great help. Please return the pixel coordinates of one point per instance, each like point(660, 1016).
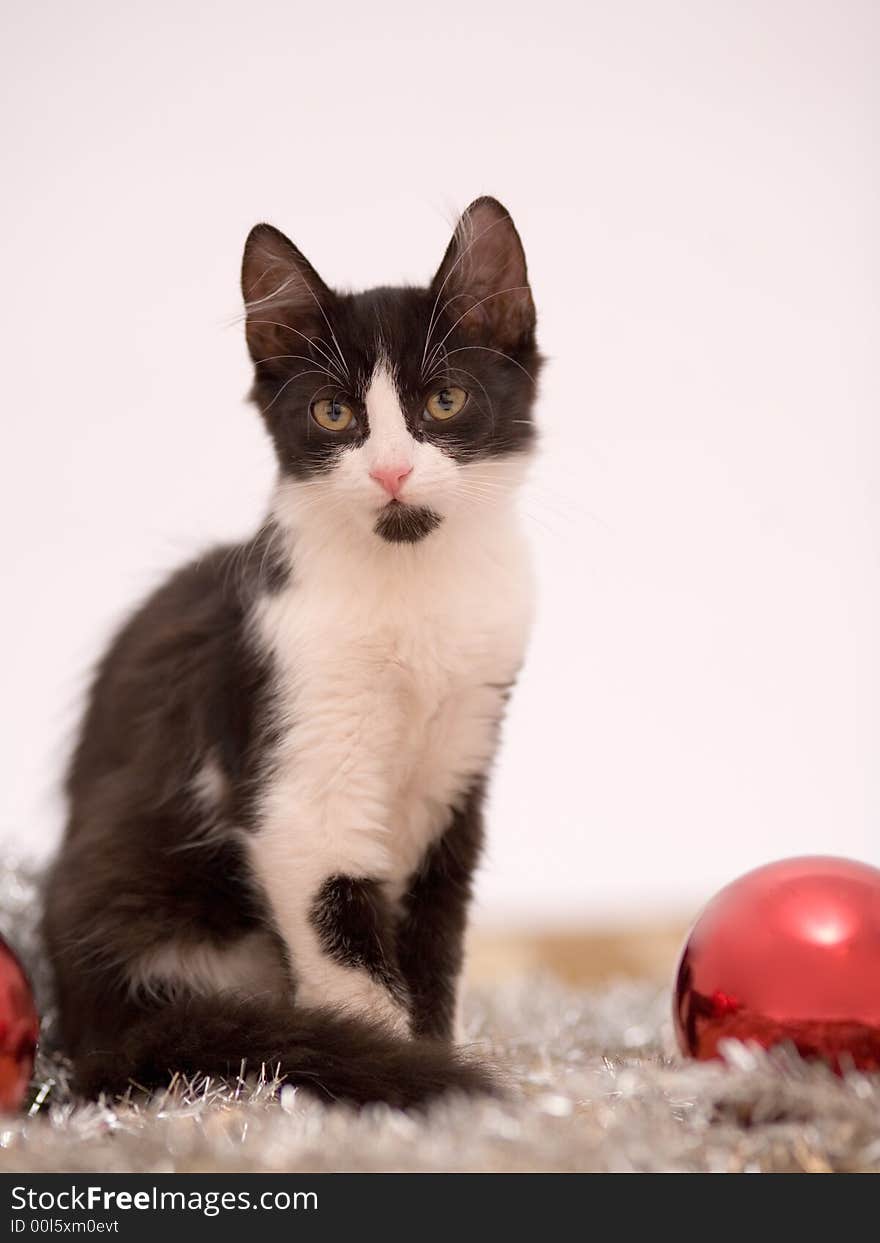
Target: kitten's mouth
point(399, 523)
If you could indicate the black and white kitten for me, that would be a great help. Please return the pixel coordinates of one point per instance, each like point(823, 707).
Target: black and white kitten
point(275, 800)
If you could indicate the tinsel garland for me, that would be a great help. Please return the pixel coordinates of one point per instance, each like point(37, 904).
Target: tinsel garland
point(592, 1087)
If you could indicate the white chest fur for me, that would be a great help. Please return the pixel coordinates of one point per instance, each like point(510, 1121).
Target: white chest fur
point(391, 665)
point(391, 676)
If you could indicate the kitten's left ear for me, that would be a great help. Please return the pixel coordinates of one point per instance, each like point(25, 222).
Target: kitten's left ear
point(482, 282)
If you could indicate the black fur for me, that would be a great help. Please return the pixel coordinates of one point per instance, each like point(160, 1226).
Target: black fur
point(406, 524)
point(338, 1058)
point(356, 928)
point(431, 937)
point(183, 687)
point(180, 683)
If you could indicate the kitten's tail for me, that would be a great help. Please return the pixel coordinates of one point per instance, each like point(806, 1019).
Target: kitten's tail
point(338, 1057)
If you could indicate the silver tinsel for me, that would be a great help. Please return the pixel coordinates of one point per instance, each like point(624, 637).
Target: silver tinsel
point(592, 1086)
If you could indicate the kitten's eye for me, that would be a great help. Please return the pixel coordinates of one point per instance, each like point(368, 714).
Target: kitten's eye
point(446, 403)
point(333, 416)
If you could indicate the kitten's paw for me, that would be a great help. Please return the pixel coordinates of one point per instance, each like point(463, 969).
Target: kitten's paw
point(356, 995)
point(378, 1006)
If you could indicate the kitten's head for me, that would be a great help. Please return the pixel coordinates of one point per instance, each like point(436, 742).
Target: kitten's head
point(396, 408)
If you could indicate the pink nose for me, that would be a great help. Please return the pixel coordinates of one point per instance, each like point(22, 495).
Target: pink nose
point(391, 477)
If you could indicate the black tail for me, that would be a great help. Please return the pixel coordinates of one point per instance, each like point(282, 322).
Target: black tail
point(338, 1057)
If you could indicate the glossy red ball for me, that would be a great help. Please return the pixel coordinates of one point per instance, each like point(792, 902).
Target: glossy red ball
point(19, 1028)
point(789, 952)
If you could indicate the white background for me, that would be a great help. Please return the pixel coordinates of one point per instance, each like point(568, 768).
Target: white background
point(697, 188)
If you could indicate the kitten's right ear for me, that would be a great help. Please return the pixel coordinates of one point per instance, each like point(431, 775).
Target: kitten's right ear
point(284, 296)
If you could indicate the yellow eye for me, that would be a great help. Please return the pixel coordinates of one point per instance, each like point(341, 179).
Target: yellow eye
point(333, 415)
point(446, 403)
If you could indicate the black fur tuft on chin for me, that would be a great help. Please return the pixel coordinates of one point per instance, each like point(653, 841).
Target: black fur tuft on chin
point(406, 524)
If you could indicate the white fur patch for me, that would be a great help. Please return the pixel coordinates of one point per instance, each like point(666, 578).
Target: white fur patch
point(389, 440)
point(209, 786)
point(251, 965)
point(391, 662)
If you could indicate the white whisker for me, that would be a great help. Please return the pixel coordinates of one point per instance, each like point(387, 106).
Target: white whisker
point(488, 298)
point(459, 349)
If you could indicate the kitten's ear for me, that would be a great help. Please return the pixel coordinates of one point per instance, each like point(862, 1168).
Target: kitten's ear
point(284, 296)
point(483, 282)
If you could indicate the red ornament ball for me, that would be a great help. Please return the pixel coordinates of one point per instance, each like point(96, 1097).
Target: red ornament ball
point(19, 1028)
point(789, 952)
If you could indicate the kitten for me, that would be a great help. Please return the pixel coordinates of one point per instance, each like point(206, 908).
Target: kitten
point(275, 800)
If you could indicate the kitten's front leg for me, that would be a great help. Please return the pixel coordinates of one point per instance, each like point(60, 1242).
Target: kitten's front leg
point(355, 928)
point(335, 921)
point(431, 934)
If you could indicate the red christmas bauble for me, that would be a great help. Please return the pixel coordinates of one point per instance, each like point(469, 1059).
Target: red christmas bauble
point(19, 1028)
point(789, 952)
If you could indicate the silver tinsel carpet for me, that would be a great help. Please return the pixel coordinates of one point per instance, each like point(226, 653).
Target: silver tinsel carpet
point(592, 1087)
